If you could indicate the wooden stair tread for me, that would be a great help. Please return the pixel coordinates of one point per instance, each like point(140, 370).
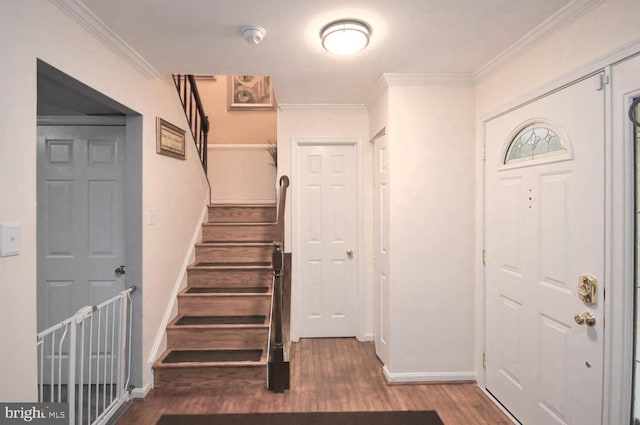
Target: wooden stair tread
point(212, 356)
point(238, 242)
point(237, 205)
point(229, 265)
point(234, 224)
point(226, 266)
point(203, 358)
point(228, 290)
point(212, 295)
point(233, 244)
point(219, 321)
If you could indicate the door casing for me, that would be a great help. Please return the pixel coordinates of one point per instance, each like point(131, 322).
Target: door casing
point(619, 211)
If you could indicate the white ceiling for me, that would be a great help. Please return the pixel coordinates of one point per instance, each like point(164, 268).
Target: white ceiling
point(408, 36)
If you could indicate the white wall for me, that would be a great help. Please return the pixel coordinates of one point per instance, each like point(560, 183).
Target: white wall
point(176, 189)
point(430, 141)
point(334, 121)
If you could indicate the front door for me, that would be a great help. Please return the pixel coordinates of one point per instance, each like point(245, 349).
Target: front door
point(327, 235)
point(544, 221)
point(80, 218)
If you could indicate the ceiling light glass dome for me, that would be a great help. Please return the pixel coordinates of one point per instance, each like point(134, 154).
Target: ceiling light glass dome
point(345, 37)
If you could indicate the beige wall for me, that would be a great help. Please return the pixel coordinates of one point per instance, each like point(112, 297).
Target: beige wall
point(37, 29)
point(241, 174)
point(231, 127)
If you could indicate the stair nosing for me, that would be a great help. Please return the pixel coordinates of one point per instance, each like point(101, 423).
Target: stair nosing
point(185, 294)
point(159, 362)
point(250, 205)
point(224, 244)
point(179, 317)
point(218, 326)
point(184, 365)
point(232, 223)
point(194, 266)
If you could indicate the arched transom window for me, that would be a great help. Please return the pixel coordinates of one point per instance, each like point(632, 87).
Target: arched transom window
point(535, 140)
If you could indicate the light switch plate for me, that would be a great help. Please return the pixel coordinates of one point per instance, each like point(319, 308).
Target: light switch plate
point(10, 239)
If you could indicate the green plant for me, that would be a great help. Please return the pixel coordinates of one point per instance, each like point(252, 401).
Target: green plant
point(273, 151)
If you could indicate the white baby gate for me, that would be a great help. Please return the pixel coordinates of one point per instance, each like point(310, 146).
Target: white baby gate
point(84, 361)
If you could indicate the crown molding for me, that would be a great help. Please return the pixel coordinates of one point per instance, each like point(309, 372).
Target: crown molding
point(93, 24)
point(533, 38)
point(416, 79)
point(355, 107)
point(378, 89)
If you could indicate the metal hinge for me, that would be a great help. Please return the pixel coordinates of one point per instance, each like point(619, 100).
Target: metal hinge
point(602, 81)
point(484, 257)
point(484, 360)
point(484, 153)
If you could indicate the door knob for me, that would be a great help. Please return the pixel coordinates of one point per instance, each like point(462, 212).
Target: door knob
point(586, 318)
point(350, 253)
point(120, 271)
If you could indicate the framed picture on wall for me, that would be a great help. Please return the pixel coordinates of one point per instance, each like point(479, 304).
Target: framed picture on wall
point(250, 93)
point(169, 139)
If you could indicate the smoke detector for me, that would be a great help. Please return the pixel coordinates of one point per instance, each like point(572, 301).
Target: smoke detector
point(253, 34)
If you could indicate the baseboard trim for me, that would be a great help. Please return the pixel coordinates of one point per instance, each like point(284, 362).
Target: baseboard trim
point(141, 392)
point(366, 337)
point(160, 340)
point(427, 377)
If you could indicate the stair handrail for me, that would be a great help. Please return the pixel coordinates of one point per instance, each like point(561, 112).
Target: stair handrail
point(279, 371)
point(284, 184)
point(194, 111)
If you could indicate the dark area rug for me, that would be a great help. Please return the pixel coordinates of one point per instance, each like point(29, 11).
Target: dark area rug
point(428, 417)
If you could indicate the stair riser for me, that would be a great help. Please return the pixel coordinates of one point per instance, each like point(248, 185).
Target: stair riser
point(234, 233)
point(205, 377)
point(229, 278)
point(233, 254)
point(240, 214)
point(223, 306)
point(220, 339)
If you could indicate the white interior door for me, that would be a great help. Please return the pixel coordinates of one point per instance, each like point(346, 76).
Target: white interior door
point(381, 249)
point(544, 229)
point(80, 218)
point(327, 235)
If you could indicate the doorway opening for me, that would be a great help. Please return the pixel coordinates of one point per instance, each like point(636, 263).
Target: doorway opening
point(87, 140)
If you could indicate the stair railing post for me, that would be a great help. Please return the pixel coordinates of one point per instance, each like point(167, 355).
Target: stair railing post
point(277, 322)
point(279, 373)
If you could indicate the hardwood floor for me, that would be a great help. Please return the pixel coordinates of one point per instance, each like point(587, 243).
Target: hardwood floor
point(328, 375)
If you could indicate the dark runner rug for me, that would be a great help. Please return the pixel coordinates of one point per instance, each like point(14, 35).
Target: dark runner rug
point(428, 417)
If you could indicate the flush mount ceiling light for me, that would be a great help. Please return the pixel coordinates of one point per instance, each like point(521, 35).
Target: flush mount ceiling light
point(345, 36)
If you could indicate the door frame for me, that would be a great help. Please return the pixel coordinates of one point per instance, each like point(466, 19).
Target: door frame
point(619, 249)
point(360, 312)
point(133, 145)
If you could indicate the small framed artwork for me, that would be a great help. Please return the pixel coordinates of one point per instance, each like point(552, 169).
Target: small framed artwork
point(169, 139)
point(250, 93)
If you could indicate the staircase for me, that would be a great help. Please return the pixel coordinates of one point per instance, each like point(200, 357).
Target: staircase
point(221, 333)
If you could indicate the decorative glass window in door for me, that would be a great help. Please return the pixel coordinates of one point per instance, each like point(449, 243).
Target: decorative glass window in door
point(535, 140)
